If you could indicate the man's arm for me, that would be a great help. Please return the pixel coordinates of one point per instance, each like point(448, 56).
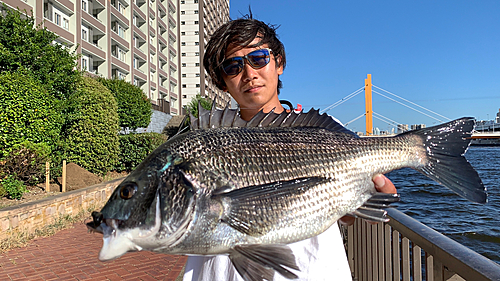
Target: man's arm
point(382, 184)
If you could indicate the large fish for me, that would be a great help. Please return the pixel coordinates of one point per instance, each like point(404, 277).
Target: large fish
point(246, 189)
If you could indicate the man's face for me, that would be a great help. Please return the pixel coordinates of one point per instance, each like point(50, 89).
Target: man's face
point(253, 89)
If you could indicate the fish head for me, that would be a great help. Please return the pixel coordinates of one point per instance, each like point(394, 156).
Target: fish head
point(149, 210)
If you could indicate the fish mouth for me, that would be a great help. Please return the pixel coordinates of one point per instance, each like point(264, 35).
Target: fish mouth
point(119, 241)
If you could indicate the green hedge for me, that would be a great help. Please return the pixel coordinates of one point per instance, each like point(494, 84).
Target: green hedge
point(135, 147)
point(134, 108)
point(92, 133)
point(27, 112)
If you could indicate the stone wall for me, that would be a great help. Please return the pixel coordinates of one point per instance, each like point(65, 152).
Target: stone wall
point(34, 215)
point(158, 121)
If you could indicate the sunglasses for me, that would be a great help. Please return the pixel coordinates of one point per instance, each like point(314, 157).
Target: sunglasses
point(257, 59)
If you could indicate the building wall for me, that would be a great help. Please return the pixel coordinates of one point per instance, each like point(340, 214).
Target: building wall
point(134, 40)
point(198, 20)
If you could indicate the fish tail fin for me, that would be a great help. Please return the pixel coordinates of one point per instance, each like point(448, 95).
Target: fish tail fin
point(446, 145)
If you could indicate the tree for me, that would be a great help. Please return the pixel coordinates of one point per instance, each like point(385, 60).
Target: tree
point(134, 108)
point(92, 134)
point(192, 106)
point(26, 47)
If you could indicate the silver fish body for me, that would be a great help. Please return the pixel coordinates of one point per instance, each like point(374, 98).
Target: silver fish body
point(246, 192)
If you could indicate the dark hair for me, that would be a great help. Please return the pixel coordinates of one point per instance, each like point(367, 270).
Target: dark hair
point(240, 32)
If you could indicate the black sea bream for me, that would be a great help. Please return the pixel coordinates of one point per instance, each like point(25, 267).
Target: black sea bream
point(246, 189)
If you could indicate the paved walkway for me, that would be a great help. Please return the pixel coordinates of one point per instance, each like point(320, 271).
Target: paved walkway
point(71, 254)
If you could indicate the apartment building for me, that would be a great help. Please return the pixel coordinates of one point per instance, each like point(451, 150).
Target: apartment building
point(198, 20)
point(134, 40)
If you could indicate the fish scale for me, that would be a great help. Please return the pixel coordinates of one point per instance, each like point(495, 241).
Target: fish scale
point(246, 189)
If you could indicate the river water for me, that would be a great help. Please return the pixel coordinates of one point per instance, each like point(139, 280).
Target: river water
point(476, 226)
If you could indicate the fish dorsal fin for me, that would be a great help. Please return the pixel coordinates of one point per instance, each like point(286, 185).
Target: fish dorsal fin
point(229, 118)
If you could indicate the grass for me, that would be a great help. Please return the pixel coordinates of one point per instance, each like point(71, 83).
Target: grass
point(17, 239)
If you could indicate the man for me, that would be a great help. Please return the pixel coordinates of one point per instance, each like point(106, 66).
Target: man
point(245, 58)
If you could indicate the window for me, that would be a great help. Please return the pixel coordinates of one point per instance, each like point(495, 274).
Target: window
point(183, 65)
point(195, 22)
point(183, 12)
point(134, 20)
point(85, 62)
point(183, 43)
point(65, 23)
point(183, 85)
point(183, 23)
point(57, 19)
point(196, 43)
point(197, 75)
point(151, 58)
point(121, 30)
point(183, 33)
point(121, 54)
point(84, 33)
point(184, 75)
point(197, 54)
point(183, 2)
point(196, 32)
point(195, 12)
point(184, 96)
point(183, 54)
point(84, 5)
point(197, 85)
point(197, 64)
point(136, 82)
point(135, 63)
point(195, 1)
point(136, 42)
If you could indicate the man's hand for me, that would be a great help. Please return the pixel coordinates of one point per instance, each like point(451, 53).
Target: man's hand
point(382, 184)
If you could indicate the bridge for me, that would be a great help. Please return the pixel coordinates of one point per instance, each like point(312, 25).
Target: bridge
point(478, 137)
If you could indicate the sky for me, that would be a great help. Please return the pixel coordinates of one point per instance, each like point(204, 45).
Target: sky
point(441, 55)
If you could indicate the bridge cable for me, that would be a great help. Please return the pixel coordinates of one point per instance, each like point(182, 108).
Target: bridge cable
point(345, 125)
point(395, 123)
point(409, 106)
point(414, 104)
point(346, 98)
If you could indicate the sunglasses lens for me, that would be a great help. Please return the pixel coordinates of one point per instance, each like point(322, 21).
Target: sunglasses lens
point(233, 66)
point(259, 58)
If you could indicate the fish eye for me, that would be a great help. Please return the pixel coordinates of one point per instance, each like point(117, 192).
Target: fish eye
point(128, 190)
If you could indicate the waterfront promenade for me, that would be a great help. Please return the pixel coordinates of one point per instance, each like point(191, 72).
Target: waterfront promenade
point(71, 254)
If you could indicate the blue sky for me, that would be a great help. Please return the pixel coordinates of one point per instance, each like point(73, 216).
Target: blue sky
point(442, 55)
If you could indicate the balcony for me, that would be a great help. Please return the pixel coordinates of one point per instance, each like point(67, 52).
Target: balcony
point(65, 35)
point(122, 42)
point(93, 49)
point(119, 17)
point(122, 66)
point(93, 22)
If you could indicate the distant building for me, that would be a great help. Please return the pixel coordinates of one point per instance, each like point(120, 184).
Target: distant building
point(417, 126)
point(198, 20)
point(402, 128)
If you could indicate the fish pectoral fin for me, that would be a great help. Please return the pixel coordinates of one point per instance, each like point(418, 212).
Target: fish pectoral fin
point(373, 209)
point(241, 213)
point(259, 262)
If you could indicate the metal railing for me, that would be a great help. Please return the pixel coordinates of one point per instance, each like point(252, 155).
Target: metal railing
point(405, 249)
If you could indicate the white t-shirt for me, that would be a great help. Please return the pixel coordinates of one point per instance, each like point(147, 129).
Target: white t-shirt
point(319, 258)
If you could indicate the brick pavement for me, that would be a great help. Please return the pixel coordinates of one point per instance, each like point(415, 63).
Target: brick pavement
point(71, 254)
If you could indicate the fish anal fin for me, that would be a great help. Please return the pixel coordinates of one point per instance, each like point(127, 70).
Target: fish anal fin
point(259, 262)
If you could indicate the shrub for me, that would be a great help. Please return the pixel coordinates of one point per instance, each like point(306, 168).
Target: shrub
point(192, 106)
point(13, 188)
point(92, 133)
point(27, 112)
point(27, 162)
point(24, 46)
point(134, 108)
point(134, 148)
